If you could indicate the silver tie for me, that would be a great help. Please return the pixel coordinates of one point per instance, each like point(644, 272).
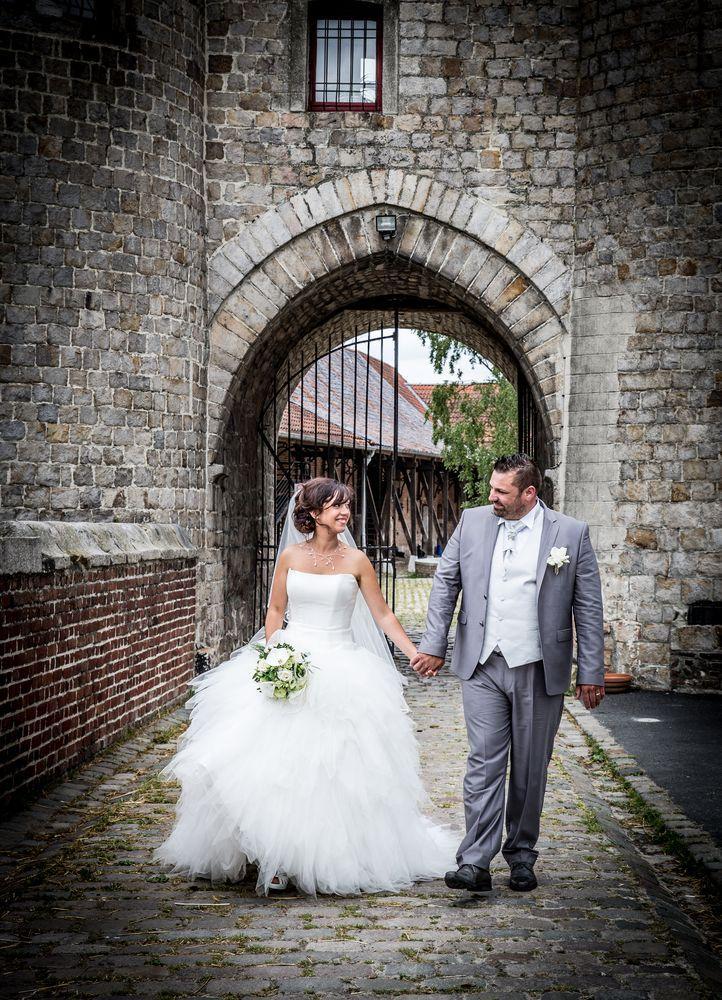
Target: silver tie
point(510, 542)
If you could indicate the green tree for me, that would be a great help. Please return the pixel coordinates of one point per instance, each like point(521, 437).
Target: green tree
point(472, 426)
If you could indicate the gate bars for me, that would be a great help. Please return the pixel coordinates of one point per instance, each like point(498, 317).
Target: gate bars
point(322, 419)
point(334, 411)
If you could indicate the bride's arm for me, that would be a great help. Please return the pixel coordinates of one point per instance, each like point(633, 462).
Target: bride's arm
point(382, 613)
point(279, 598)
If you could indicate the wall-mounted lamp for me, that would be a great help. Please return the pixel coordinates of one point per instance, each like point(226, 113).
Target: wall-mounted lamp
point(386, 226)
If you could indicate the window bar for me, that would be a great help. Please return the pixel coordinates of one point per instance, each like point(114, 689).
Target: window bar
point(342, 84)
point(378, 64)
point(338, 63)
point(363, 64)
point(351, 53)
point(324, 89)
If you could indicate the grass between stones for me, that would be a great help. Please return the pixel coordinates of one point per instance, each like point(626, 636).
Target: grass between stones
point(649, 818)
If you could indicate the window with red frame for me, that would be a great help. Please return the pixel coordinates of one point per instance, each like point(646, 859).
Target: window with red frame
point(345, 57)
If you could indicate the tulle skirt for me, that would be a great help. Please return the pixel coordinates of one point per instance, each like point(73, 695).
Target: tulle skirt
point(325, 788)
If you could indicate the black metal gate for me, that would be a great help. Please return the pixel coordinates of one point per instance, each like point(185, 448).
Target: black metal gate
point(334, 411)
point(328, 415)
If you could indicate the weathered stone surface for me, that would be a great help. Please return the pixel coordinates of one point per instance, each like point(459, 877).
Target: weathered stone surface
point(613, 916)
point(44, 546)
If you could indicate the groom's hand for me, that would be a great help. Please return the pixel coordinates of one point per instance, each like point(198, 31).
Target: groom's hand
point(427, 665)
point(590, 695)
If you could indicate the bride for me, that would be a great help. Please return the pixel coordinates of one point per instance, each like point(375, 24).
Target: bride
point(324, 789)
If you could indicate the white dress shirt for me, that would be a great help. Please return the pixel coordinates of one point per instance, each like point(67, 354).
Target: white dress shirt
point(511, 626)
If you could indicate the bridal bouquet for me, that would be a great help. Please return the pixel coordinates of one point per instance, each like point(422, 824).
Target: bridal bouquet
point(282, 671)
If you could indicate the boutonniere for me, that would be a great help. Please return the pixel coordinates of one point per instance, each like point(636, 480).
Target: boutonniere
point(558, 557)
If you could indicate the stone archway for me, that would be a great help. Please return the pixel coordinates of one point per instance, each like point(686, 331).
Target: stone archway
point(300, 267)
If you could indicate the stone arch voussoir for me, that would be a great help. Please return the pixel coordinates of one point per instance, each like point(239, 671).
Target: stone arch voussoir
point(506, 274)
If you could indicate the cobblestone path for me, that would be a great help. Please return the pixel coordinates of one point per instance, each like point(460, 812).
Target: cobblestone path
point(86, 913)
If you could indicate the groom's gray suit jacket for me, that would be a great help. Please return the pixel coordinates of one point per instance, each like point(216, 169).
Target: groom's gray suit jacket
point(574, 590)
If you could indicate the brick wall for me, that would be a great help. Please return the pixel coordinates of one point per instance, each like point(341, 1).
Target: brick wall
point(83, 656)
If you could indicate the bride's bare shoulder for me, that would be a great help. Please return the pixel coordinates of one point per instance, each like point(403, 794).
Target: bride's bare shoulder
point(355, 559)
point(291, 557)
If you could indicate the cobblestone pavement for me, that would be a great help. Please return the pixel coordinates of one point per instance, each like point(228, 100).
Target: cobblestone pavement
point(412, 600)
point(86, 913)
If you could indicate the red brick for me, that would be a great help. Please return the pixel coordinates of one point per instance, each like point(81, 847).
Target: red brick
point(86, 654)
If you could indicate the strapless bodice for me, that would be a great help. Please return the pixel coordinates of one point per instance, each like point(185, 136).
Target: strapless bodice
point(318, 601)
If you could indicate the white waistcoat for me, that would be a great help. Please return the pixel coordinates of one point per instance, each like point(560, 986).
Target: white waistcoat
point(511, 612)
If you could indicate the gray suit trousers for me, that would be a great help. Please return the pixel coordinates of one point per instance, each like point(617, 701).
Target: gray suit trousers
point(506, 707)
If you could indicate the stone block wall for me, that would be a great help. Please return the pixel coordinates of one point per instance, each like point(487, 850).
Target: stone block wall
point(647, 298)
point(486, 102)
point(84, 655)
point(101, 229)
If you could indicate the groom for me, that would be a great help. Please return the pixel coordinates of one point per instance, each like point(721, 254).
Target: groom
point(523, 570)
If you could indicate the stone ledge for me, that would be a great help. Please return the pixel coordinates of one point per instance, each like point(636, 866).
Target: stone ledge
point(45, 546)
point(698, 842)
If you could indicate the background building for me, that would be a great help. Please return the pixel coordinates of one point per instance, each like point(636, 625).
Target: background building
point(342, 425)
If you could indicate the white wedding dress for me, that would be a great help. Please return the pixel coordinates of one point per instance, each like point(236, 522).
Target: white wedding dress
point(325, 788)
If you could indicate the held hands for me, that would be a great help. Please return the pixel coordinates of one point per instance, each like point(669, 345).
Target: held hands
point(427, 665)
point(590, 695)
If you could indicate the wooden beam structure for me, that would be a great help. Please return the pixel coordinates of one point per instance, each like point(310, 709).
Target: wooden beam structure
point(419, 482)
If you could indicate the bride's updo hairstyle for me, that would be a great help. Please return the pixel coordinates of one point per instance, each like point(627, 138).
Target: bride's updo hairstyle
point(313, 496)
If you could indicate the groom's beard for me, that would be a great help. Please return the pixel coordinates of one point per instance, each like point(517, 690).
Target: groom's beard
point(511, 511)
point(505, 510)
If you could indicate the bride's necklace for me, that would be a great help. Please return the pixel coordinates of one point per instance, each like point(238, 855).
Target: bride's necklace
point(325, 557)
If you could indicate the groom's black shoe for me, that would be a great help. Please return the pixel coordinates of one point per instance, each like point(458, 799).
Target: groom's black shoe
point(469, 877)
point(522, 877)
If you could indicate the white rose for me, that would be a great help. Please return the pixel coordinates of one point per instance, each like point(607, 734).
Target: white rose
point(558, 557)
point(285, 675)
point(277, 657)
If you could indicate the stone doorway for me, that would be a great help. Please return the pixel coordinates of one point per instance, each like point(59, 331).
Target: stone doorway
point(312, 291)
point(249, 491)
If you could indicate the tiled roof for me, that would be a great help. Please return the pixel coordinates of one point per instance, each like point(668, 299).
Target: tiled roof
point(374, 428)
point(424, 391)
